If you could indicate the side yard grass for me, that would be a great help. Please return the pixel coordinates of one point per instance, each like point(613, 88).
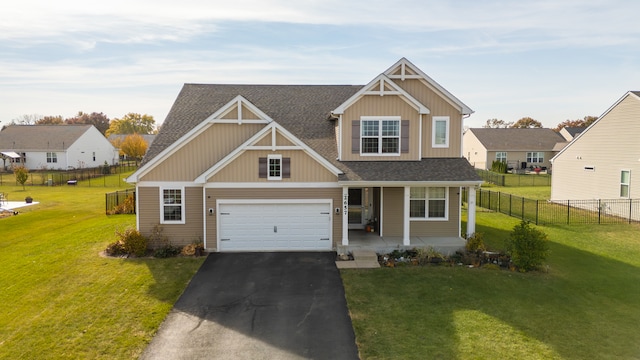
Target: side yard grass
point(59, 298)
point(586, 306)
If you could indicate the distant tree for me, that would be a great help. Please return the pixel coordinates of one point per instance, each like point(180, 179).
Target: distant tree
point(27, 119)
point(132, 123)
point(50, 120)
point(526, 123)
point(584, 122)
point(99, 120)
point(134, 146)
point(495, 123)
point(22, 174)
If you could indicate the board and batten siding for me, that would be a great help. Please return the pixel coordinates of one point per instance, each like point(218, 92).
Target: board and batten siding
point(279, 194)
point(245, 168)
point(148, 199)
point(202, 152)
point(375, 105)
point(438, 105)
point(589, 168)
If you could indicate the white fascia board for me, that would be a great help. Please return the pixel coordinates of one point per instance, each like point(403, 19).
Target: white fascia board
point(167, 184)
point(628, 93)
point(272, 185)
point(366, 90)
point(409, 183)
point(239, 100)
point(404, 62)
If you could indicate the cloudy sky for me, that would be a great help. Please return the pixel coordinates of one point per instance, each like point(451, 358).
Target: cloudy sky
point(550, 60)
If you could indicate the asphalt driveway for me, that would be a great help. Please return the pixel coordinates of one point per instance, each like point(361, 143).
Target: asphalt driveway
point(259, 306)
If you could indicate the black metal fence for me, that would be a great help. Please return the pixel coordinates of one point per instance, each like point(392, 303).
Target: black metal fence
point(120, 202)
point(531, 179)
point(88, 176)
point(546, 212)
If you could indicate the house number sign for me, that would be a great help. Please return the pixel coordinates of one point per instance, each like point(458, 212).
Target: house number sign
point(345, 204)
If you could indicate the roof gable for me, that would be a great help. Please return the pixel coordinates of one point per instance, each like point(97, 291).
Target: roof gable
point(404, 69)
point(382, 86)
point(41, 137)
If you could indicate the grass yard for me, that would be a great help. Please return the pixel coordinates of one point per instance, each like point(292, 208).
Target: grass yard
point(529, 192)
point(60, 299)
point(587, 306)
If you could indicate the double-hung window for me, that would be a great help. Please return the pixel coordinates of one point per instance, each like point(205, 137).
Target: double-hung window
point(535, 157)
point(428, 203)
point(172, 206)
point(625, 177)
point(52, 157)
point(501, 156)
point(380, 135)
point(274, 167)
point(440, 132)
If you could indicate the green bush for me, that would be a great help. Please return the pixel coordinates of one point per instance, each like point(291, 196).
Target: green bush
point(527, 246)
point(499, 167)
point(115, 249)
point(475, 243)
point(132, 241)
point(167, 251)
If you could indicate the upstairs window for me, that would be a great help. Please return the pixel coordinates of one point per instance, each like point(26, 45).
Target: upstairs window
point(380, 136)
point(52, 157)
point(172, 206)
point(535, 157)
point(274, 167)
point(274, 170)
point(440, 132)
point(625, 176)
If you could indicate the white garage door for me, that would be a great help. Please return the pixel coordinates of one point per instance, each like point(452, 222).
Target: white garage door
point(274, 227)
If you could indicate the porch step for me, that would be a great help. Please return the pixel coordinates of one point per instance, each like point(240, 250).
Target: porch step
point(362, 259)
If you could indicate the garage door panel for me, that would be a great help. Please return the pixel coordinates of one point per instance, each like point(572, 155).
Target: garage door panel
point(280, 226)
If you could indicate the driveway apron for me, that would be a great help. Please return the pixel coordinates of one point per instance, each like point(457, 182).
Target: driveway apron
point(259, 306)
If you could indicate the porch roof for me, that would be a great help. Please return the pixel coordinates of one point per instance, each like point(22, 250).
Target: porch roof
point(434, 170)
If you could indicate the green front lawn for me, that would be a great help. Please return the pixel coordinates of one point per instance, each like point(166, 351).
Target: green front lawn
point(59, 298)
point(587, 306)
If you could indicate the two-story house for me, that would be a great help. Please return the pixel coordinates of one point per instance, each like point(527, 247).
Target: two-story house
point(307, 167)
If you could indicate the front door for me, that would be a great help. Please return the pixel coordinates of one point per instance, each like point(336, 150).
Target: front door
point(356, 208)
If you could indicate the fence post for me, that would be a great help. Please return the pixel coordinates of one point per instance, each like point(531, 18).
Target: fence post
point(630, 210)
point(510, 203)
point(568, 211)
point(599, 210)
point(537, 204)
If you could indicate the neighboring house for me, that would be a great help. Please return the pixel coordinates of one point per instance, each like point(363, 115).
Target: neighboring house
point(57, 147)
point(519, 148)
point(569, 133)
point(295, 167)
point(603, 162)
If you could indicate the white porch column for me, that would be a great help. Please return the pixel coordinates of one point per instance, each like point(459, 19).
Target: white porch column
point(345, 215)
point(471, 213)
point(406, 237)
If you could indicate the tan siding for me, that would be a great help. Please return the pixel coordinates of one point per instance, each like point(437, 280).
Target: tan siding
point(248, 114)
point(440, 228)
point(178, 234)
point(264, 141)
point(202, 152)
point(515, 158)
point(438, 106)
point(282, 141)
point(227, 194)
point(392, 211)
point(374, 105)
point(232, 114)
point(245, 168)
point(609, 147)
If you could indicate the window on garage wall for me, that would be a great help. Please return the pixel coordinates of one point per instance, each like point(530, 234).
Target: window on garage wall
point(172, 206)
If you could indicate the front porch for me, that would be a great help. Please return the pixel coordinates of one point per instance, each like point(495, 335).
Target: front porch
point(362, 240)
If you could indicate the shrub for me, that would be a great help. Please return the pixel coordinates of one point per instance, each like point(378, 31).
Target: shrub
point(527, 246)
point(166, 251)
point(115, 249)
point(475, 243)
point(132, 241)
point(192, 249)
point(499, 167)
point(127, 207)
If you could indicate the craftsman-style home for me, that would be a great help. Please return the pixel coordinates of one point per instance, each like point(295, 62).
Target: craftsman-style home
point(310, 167)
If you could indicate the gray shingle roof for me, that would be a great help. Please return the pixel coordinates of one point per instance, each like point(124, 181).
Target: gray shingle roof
point(40, 137)
point(303, 110)
point(514, 139)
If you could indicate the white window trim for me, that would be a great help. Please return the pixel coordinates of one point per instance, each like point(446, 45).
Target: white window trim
point(426, 208)
point(434, 121)
point(182, 205)
point(539, 157)
point(380, 119)
point(52, 157)
point(500, 158)
point(628, 184)
point(274, 157)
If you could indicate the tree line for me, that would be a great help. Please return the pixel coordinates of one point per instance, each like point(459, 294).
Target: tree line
point(527, 123)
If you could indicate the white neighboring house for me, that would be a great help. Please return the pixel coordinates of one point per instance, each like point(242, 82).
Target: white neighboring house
point(57, 147)
point(603, 161)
